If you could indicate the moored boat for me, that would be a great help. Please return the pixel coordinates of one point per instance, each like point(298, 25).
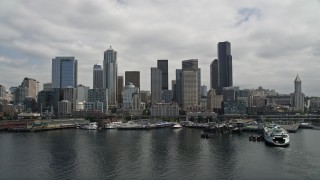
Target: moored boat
point(113, 125)
point(176, 126)
point(306, 125)
point(276, 136)
point(91, 126)
point(133, 126)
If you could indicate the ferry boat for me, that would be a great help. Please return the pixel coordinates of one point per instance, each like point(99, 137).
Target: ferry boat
point(276, 136)
point(91, 126)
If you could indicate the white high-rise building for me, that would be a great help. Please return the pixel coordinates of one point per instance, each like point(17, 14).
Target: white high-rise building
point(110, 75)
point(64, 108)
point(32, 86)
point(82, 93)
point(214, 101)
point(97, 76)
point(189, 84)
point(297, 98)
point(2, 92)
point(192, 65)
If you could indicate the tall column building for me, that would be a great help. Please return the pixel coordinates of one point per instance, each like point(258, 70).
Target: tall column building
point(120, 90)
point(297, 98)
point(190, 83)
point(189, 86)
point(225, 64)
point(178, 92)
point(2, 92)
point(110, 75)
point(64, 72)
point(214, 74)
point(162, 65)
point(156, 85)
point(97, 76)
point(192, 65)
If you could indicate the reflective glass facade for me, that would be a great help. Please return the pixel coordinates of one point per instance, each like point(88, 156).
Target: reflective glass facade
point(64, 72)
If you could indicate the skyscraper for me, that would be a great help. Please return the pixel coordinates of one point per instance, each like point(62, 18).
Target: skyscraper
point(2, 92)
point(64, 72)
point(297, 98)
point(214, 74)
point(178, 92)
point(163, 67)
point(174, 89)
point(192, 65)
point(82, 93)
point(133, 77)
point(225, 64)
point(156, 84)
point(110, 75)
point(120, 90)
point(189, 84)
point(97, 76)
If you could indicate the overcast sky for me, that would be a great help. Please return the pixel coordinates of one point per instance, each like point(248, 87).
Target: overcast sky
point(271, 41)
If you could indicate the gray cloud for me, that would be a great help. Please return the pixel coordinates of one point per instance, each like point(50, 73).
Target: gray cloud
point(271, 41)
point(245, 14)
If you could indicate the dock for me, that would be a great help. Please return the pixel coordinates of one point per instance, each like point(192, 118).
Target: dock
point(289, 126)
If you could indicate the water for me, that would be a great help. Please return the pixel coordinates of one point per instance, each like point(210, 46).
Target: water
point(155, 154)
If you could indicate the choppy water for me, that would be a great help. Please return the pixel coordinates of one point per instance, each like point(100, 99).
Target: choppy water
point(155, 154)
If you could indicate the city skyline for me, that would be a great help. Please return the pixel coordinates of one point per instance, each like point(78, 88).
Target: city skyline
point(262, 55)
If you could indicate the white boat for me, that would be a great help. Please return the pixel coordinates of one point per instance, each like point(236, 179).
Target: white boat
point(131, 125)
point(276, 136)
point(307, 125)
point(91, 126)
point(176, 126)
point(113, 125)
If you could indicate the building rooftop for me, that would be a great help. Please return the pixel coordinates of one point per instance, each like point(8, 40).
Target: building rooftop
point(297, 79)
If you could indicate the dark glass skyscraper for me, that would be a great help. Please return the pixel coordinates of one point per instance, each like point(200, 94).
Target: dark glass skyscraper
point(97, 76)
point(225, 64)
point(133, 77)
point(120, 89)
point(178, 92)
point(214, 74)
point(162, 65)
point(156, 84)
